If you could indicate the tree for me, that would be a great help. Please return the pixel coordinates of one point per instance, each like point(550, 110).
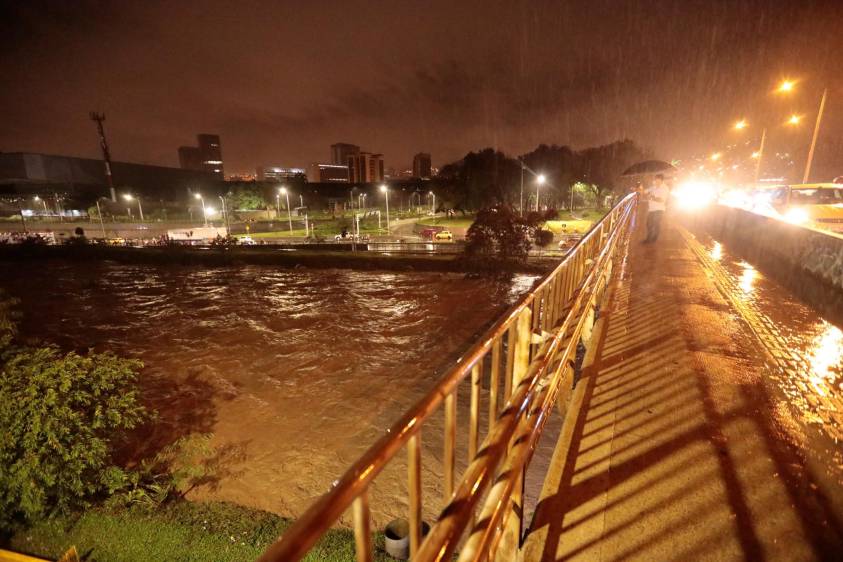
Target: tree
point(246, 197)
point(499, 231)
point(61, 417)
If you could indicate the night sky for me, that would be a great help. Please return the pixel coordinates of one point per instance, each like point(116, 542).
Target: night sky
point(281, 81)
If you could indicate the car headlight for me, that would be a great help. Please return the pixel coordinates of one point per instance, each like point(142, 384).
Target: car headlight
point(694, 195)
point(796, 215)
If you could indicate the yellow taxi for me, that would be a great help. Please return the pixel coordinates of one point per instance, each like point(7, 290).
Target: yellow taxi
point(811, 204)
point(443, 236)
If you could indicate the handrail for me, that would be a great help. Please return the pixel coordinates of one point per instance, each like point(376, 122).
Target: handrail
point(529, 330)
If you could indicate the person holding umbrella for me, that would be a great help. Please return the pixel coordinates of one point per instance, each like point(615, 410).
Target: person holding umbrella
point(656, 195)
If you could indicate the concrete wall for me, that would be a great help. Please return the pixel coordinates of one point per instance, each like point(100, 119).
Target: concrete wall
point(778, 244)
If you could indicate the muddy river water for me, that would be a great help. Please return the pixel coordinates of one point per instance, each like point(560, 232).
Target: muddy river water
point(295, 372)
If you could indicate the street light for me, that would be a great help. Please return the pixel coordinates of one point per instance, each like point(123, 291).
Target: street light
point(385, 191)
point(128, 197)
point(715, 157)
point(794, 120)
point(433, 207)
point(786, 86)
point(283, 190)
point(540, 179)
point(742, 124)
point(204, 211)
point(224, 215)
point(36, 198)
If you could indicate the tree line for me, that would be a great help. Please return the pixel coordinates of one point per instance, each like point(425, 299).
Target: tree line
point(490, 177)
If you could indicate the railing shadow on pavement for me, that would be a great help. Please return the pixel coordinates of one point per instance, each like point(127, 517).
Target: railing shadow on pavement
point(651, 463)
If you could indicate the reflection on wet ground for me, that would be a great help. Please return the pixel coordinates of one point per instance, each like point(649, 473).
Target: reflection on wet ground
point(804, 350)
point(299, 371)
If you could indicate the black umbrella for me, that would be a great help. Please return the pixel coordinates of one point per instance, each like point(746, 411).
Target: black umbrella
point(648, 167)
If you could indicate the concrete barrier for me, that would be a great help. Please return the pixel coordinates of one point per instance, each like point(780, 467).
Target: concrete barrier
point(791, 249)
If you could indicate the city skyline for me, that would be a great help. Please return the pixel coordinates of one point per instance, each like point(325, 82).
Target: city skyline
point(456, 78)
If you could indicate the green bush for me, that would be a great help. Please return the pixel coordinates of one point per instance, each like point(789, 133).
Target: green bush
point(61, 416)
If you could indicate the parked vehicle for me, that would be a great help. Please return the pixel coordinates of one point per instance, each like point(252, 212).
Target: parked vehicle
point(444, 236)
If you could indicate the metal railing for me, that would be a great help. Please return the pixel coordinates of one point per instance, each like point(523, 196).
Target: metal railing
point(533, 348)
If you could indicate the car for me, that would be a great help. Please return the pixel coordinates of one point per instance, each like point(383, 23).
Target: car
point(819, 205)
point(246, 241)
point(443, 236)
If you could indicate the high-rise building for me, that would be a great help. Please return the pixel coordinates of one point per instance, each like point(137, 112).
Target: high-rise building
point(327, 173)
point(421, 165)
point(279, 173)
point(207, 157)
point(365, 168)
point(341, 151)
point(211, 150)
point(190, 158)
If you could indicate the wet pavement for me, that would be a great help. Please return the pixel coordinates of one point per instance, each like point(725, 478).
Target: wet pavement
point(687, 442)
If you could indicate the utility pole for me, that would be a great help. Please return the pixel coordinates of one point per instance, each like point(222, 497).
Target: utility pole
point(760, 156)
point(814, 138)
point(99, 118)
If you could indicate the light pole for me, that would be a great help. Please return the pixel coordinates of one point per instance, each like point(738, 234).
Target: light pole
point(433, 204)
point(278, 204)
point(99, 212)
point(540, 179)
point(521, 200)
point(224, 215)
point(204, 212)
point(385, 191)
point(128, 197)
point(36, 198)
point(814, 138)
point(289, 212)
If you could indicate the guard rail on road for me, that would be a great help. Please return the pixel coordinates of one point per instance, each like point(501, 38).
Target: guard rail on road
point(533, 348)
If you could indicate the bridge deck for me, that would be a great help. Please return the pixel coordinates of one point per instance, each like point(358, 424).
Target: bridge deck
point(676, 451)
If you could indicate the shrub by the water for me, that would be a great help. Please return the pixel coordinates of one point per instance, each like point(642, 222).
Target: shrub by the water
point(61, 417)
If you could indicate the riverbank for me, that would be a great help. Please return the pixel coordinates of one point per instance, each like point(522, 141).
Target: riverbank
point(181, 531)
point(266, 255)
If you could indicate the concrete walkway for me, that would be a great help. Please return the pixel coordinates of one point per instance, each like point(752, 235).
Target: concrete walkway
point(674, 448)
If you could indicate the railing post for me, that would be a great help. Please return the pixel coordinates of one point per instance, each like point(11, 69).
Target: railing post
point(362, 527)
point(494, 382)
point(414, 469)
point(511, 538)
point(450, 443)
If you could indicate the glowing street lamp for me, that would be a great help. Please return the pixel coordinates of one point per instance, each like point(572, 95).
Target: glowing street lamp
point(715, 157)
point(385, 191)
point(204, 211)
point(433, 204)
point(540, 179)
point(786, 86)
point(37, 199)
point(742, 124)
point(128, 197)
point(284, 192)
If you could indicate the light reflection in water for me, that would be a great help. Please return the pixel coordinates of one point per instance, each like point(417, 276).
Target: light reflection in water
point(748, 277)
point(717, 251)
point(826, 358)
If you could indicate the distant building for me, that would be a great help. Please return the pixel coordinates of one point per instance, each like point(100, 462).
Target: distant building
point(341, 152)
point(190, 158)
point(421, 165)
point(206, 157)
point(240, 177)
point(365, 168)
point(279, 173)
point(327, 173)
point(23, 172)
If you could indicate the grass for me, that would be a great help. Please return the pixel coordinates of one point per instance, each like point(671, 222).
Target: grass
point(182, 531)
point(463, 222)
